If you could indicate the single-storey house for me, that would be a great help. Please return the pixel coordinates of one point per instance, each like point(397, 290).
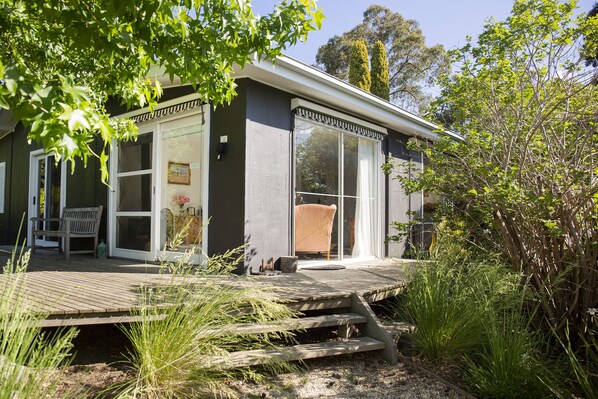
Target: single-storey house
point(291, 167)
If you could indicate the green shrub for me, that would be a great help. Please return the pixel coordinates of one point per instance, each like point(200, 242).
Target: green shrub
point(29, 358)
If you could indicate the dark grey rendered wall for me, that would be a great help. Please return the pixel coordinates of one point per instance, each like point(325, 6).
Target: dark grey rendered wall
point(399, 205)
point(226, 204)
point(83, 187)
point(6, 144)
point(268, 174)
point(15, 151)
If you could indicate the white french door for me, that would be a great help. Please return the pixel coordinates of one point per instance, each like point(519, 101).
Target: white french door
point(132, 199)
point(47, 193)
point(158, 192)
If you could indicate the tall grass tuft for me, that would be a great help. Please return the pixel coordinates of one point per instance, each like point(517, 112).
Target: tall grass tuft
point(172, 347)
point(511, 363)
point(581, 363)
point(451, 298)
point(447, 325)
point(29, 358)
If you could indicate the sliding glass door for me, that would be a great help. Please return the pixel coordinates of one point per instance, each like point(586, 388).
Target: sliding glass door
point(339, 170)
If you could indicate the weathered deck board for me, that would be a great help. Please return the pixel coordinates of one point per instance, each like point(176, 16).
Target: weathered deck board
point(84, 290)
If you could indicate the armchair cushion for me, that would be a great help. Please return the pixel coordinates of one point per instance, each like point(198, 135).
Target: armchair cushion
point(313, 227)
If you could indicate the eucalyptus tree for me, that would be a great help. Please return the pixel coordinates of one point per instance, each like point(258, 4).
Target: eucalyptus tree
point(60, 61)
point(413, 66)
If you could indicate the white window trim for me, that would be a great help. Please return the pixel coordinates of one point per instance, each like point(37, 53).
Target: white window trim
point(33, 155)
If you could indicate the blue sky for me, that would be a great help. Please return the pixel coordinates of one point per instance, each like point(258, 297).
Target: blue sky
point(447, 22)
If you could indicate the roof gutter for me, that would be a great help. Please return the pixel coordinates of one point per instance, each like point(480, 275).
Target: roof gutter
point(316, 84)
point(298, 78)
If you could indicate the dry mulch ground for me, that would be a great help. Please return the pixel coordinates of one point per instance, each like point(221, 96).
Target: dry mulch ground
point(99, 366)
point(350, 377)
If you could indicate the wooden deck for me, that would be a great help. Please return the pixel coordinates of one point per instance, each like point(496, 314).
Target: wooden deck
point(85, 291)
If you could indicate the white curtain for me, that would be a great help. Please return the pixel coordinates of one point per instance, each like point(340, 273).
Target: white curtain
point(364, 210)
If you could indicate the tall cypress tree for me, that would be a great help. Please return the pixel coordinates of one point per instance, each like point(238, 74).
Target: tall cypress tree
point(359, 69)
point(380, 86)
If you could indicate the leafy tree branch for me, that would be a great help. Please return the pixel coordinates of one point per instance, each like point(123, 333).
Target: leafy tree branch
point(60, 61)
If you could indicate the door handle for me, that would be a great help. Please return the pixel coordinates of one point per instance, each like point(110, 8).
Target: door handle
point(34, 200)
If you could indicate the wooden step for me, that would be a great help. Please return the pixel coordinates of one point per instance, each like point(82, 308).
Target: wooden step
point(297, 352)
point(321, 302)
point(302, 323)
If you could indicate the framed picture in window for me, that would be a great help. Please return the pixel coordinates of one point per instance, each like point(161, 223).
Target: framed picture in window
point(179, 173)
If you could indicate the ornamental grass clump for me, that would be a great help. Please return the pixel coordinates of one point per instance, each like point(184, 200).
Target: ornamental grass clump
point(29, 357)
point(581, 363)
point(451, 298)
point(447, 324)
point(472, 311)
point(189, 321)
point(511, 362)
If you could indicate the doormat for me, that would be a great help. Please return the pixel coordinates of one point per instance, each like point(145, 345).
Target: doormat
point(324, 267)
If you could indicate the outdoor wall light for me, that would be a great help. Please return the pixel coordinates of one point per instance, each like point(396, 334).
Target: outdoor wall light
point(222, 147)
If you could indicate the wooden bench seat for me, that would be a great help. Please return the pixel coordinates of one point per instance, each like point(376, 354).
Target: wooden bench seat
point(74, 223)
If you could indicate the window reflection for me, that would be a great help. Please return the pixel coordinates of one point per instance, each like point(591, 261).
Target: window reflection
point(181, 215)
point(135, 155)
point(317, 155)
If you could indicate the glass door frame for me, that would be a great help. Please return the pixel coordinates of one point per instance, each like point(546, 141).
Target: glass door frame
point(156, 253)
point(33, 197)
point(379, 212)
point(149, 128)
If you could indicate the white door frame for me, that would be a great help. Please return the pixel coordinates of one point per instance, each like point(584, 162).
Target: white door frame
point(112, 200)
point(32, 199)
point(155, 252)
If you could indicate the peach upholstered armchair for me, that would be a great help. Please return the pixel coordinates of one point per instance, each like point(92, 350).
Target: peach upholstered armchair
point(313, 228)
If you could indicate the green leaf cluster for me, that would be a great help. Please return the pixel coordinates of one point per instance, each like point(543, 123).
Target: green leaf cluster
point(61, 61)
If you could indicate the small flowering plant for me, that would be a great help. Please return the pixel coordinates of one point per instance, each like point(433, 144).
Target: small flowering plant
point(180, 200)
